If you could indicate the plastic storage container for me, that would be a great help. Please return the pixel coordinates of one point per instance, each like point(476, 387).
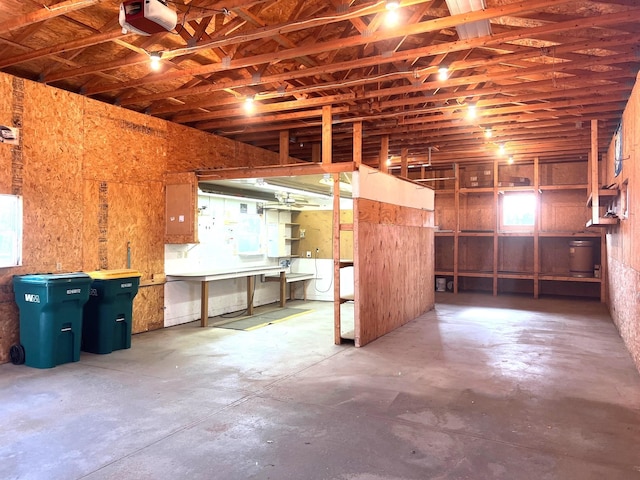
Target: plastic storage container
point(108, 313)
point(51, 309)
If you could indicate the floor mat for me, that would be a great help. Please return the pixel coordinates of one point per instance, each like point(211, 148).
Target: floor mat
point(263, 319)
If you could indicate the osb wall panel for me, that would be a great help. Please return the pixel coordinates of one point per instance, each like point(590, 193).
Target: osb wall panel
point(148, 309)
point(445, 212)
point(477, 212)
point(52, 180)
point(624, 305)
point(570, 173)
point(563, 211)
point(394, 270)
point(515, 254)
point(189, 150)
point(318, 227)
point(119, 144)
point(623, 246)
point(6, 118)
point(475, 254)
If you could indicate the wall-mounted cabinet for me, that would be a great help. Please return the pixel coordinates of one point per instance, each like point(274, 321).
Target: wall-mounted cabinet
point(477, 249)
point(181, 198)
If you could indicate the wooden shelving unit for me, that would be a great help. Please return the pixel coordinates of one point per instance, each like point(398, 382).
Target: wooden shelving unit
point(475, 252)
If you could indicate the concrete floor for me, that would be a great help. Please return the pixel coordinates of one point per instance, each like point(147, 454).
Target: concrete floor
point(479, 388)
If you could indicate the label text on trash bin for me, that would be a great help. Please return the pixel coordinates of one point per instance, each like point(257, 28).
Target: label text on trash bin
point(126, 285)
point(32, 298)
point(72, 291)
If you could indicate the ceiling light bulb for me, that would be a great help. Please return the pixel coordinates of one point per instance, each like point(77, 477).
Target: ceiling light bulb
point(501, 149)
point(392, 5)
point(510, 160)
point(488, 133)
point(155, 58)
point(443, 73)
point(471, 111)
point(392, 18)
point(249, 105)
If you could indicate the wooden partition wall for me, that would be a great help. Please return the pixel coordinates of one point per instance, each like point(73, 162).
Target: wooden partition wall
point(393, 254)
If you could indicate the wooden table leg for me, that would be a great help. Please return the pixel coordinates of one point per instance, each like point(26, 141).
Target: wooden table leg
point(250, 284)
point(283, 289)
point(204, 304)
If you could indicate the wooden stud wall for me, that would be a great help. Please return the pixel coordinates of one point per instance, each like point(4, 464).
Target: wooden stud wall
point(92, 176)
point(394, 265)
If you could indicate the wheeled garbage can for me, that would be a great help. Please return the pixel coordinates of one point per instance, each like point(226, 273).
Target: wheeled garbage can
point(108, 313)
point(51, 308)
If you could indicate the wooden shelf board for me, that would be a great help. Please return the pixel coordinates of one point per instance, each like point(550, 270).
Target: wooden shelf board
point(568, 234)
point(603, 222)
point(567, 278)
point(475, 234)
point(445, 191)
point(516, 275)
point(443, 273)
point(444, 234)
point(475, 274)
point(517, 188)
point(516, 234)
point(563, 187)
point(476, 190)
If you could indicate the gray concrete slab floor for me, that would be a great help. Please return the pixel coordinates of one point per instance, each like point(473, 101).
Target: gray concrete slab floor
point(481, 387)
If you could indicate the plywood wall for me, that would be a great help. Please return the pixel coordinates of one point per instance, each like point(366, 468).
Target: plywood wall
point(318, 226)
point(393, 267)
point(623, 240)
point(92, 180)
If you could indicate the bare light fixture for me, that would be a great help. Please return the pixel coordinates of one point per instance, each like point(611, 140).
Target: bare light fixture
point(510, 159)
point(488, 133)
point(392, 17)
point(249, 104)
point(501, 149)
point(443, 73)
point(471, 111)
point(478, 28)
point(155, 58)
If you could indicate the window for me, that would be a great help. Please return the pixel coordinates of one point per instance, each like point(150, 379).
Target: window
point(10, 230)
point(518, 210)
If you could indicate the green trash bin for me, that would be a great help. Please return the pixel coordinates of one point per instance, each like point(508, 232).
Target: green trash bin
point(51, 308)
point(108, 313)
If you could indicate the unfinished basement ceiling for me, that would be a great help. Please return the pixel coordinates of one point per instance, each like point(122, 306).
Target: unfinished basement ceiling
point(547, 68)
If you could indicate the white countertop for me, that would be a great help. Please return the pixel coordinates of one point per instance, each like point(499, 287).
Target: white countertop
point(222, 274)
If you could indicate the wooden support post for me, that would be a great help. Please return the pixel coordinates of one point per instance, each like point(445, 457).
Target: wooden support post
point(284, 147)
point(384, 154)
point(337, 324)
point(536, 228)
point(250, 284)
point(456, 231)
point(496, 227)
point(315, 152)
point(357, 143)
point(283, 289)
point(204, 304)
point(326, 134)
point(593, 174)
point(404, 165)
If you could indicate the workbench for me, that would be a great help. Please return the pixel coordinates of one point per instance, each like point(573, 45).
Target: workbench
point(210, 276)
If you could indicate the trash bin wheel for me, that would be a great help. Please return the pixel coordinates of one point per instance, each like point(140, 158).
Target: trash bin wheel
point(16, 353)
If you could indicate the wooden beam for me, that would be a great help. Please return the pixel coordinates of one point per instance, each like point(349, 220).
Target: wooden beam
point(357, 143)
point(337, 323)
point(404, 165)
point(384, 154)
point(593, 176)
point(275, 171)
point(43, 14)
point(326, 134)
point(284, 147)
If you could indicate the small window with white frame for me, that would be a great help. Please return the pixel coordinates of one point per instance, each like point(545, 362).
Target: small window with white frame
point(518, 211)
point(10, 230)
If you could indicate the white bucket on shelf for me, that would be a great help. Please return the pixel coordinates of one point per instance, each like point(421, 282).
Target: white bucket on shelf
point(441, 284)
